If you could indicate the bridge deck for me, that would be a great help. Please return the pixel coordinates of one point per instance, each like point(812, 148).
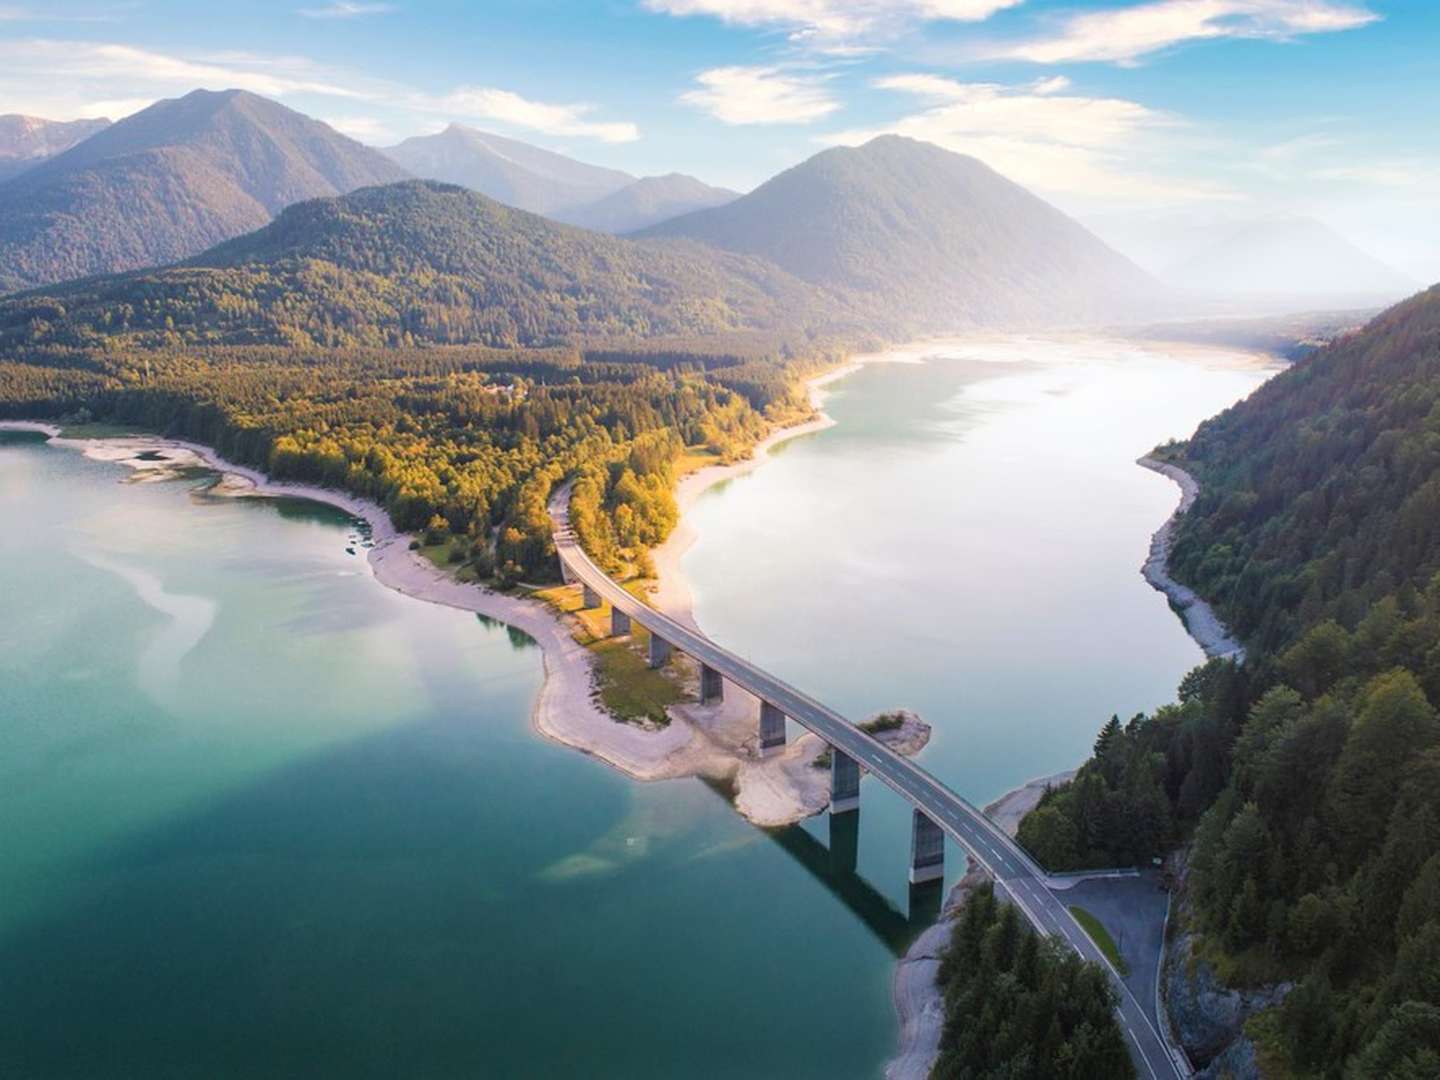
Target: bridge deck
point(1013, 869)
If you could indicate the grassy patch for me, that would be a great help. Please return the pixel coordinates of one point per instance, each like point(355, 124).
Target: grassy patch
point(1098, 934)
point(99, 430)
point(890, 721)
point(629, 688)
point(439, 555)
point(695, 458)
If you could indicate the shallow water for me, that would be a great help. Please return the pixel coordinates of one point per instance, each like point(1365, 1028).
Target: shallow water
point(264, 817)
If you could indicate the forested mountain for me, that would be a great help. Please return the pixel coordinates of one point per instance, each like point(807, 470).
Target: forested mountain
point(25, 141)
point(942, 238)
point(414, 262)
point(169, 182)
point(512, 172)
point(1283, 256)
point(646, 202)
point(1311, 776)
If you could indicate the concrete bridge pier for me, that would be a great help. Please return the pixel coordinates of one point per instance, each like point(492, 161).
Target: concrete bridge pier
point(619, 623)
point(589, 597)
point(712, 686)
point(927, 850)
point(772, 729)
point(660, 651)
point(844, 782)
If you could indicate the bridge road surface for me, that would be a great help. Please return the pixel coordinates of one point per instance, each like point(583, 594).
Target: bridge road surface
point(987, 843)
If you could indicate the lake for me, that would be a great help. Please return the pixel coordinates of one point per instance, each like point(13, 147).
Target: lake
point(265, 817)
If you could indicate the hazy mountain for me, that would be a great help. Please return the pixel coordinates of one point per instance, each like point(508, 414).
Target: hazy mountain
point(25, 141)
point(1284, 256)
point(938, 237)
point(513, 172)
point(648, 201)
point(171, 181)
point(421, 261)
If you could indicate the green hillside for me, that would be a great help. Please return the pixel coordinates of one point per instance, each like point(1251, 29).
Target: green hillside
point(1309, 778)
point(420, 262)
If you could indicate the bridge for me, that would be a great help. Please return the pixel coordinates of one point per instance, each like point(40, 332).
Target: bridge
point(938, 812)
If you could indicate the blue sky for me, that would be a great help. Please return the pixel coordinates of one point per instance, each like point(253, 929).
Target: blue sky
point(1122, 111)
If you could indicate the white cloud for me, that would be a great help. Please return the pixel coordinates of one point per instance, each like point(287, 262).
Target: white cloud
point(345, 9)
point(60, 79)
point(488, 103)
point(1043, 137)
point(831, 22)
point(760, 95)
point(1126, 34)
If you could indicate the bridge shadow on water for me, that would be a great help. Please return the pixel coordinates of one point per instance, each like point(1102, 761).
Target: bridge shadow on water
point(835, 867)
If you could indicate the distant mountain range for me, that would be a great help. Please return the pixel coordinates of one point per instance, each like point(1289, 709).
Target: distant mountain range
point(421, 261)
point(895, 236)
point(646, 202)
point(544, 182)
point(169, 182)
point(938, 236)
point(1259, 263)
point(25, 141)
point(507, 170)
point(1285, 255)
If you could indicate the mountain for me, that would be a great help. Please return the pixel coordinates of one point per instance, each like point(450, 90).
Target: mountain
point(939, 237)
point(25, 141)
point(646, 202)
point(1284, 256)
point(169, 182)
point(420, 261)
point(512, 172)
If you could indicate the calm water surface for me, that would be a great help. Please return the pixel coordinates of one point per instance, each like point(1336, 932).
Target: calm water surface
point(263, 817)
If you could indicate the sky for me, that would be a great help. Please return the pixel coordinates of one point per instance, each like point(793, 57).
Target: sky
point(1135, 115)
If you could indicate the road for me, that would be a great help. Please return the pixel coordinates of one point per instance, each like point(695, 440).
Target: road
point(1014, 871)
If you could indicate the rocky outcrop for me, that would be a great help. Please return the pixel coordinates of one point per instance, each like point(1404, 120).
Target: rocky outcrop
point(1207, 1016)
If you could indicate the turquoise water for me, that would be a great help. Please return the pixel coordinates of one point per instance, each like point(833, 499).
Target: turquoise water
point(966, 541)
point(264, 817)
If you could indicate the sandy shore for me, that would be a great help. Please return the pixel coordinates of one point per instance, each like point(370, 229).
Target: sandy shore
point(718, 742)
point(1209, 632)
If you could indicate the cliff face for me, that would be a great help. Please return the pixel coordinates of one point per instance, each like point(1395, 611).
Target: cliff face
point(1207, 1017)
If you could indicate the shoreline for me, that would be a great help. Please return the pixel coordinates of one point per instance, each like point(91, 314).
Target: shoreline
point(1196, 614)
point(914, 990)
point(712, 742)
point(707, 741)
point(563, 711)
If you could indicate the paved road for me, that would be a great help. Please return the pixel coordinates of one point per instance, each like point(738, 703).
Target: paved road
point(986, 842)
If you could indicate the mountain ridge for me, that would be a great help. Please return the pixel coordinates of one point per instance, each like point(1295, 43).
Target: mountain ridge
point(421, 261)
point(942, 236)
point(169, 182)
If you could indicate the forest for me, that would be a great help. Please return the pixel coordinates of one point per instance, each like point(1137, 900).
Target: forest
point(465, 443)
point(417, 262)
point(1307, 780)
point(1022, 1007)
